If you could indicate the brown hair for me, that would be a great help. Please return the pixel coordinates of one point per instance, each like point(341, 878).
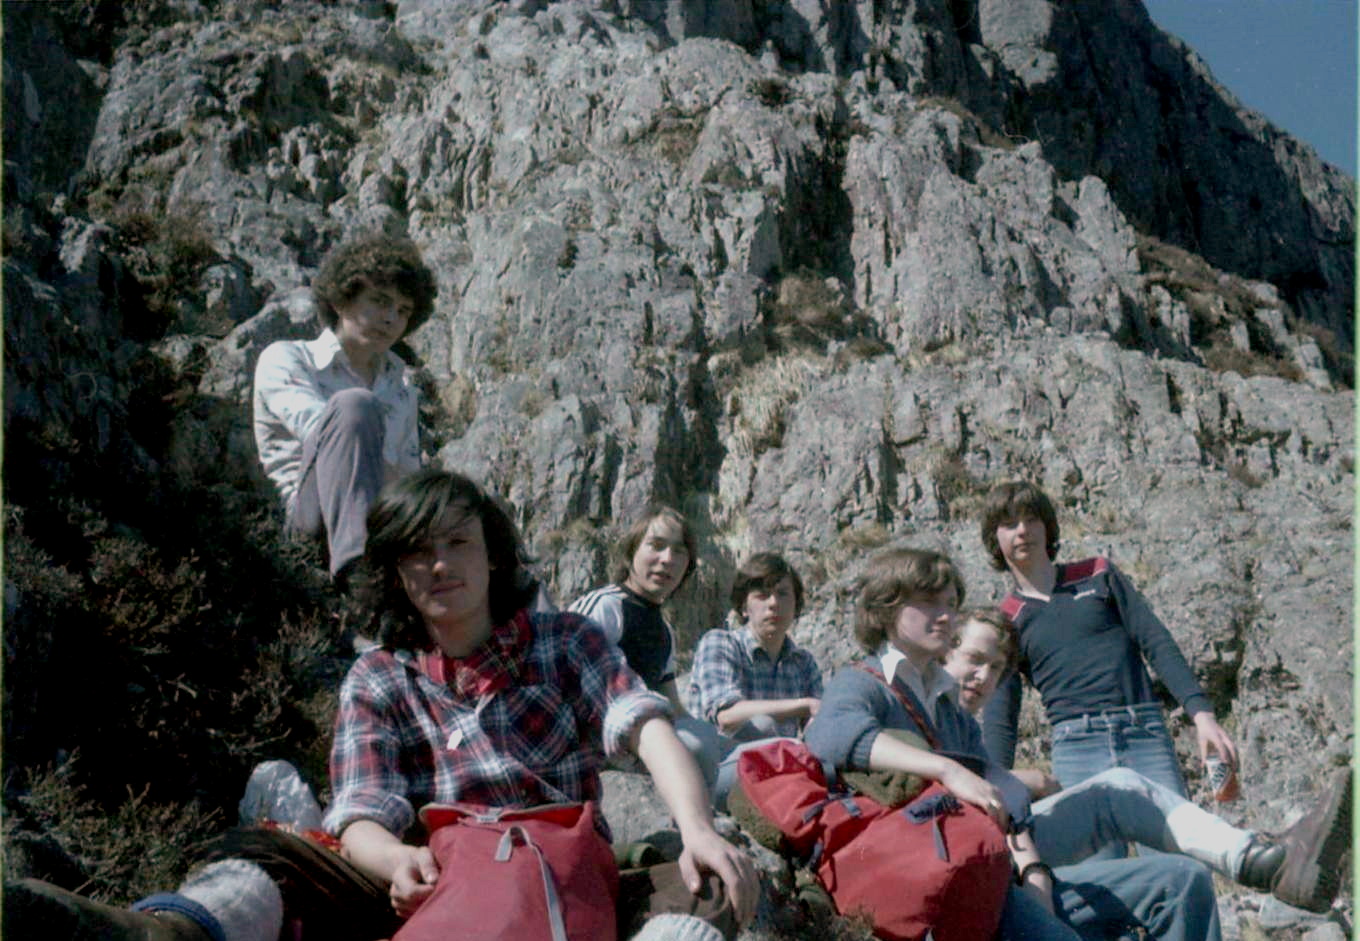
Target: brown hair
point(380, 260)
point(1007, 638)
point(402, 519)
point(628, 543)
point(762, 572)
point(1011, 501)
point(894, 578)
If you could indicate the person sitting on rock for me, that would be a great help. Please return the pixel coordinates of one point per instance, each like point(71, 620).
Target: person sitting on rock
point(1084, 632)
point(471, 698)
point(754, 682)
point(652, 560)
point(1119, 805)
point(904, 621)
point(335, 417)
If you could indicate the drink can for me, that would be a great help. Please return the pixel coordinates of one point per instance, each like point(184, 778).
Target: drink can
point(1222, 779)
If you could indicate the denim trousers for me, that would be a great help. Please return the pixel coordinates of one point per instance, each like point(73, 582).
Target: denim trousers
point(1171, 897)
point(1132, 737)
point(1122, 806)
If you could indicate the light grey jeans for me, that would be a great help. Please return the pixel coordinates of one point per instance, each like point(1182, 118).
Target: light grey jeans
point(1120, 805)
point(342, 471)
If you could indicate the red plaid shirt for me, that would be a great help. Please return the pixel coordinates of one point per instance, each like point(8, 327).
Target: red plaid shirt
point(526, 719)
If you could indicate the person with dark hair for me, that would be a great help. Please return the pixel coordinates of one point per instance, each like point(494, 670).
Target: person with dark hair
point(1300, 867)
point(1084, 632)
point(471, 698)
point(335, 417)
point(898, 711)
point(754, 682)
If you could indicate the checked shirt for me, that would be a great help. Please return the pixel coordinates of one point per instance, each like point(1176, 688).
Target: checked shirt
point(731, 666)
point(526, 719)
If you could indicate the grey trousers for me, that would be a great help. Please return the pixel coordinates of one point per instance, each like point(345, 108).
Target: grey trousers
point(342, 471)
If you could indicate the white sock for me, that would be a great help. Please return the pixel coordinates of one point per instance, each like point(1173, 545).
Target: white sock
point(241, 896)
point(674, 927)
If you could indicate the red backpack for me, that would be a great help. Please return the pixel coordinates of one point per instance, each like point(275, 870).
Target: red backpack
point(936, 868)
point(535, 874)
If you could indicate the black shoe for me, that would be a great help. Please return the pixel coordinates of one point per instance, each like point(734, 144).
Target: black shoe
point(1261, 864)
point(1310, 874)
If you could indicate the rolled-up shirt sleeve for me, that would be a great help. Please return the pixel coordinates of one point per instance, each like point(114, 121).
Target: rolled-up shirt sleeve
point(612, 695)
point(366, 779)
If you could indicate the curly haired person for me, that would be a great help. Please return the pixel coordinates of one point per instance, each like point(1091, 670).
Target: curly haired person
point(335, 417)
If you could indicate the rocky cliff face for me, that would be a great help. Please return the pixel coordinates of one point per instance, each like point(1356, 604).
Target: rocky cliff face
point(816, 273)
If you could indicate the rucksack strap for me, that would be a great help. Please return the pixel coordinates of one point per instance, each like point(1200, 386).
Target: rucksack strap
point(927, 729)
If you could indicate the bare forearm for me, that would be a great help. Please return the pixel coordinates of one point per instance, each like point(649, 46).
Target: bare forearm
point(888, 753)
point(373, 848)
point(741, 712)
point(677, 777)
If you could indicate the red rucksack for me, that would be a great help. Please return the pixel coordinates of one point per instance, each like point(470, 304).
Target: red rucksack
point(935, 868)
point(535, 874)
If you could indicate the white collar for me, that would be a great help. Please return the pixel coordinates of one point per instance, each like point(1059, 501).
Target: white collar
point(326, 349)
point(927, 686)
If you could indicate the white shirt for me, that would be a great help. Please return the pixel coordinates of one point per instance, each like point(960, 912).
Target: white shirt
point(294, 380)
point(927, 687)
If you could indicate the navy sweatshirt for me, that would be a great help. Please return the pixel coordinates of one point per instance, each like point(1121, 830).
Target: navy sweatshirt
point(1083, 650)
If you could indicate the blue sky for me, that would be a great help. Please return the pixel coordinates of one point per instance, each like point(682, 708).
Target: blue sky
point(1292, 60)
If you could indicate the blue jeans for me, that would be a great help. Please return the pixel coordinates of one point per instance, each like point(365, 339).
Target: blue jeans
point(1172, 897)
point(1024, 919)
point(1133, 737)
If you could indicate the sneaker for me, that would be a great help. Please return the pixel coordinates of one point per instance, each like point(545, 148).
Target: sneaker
point(1310, 874)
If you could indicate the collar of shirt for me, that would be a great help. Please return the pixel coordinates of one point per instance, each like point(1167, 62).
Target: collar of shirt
point(927, 687)
point(629, 593)
point(490, 668)
point(750, 644)
point(326, 351)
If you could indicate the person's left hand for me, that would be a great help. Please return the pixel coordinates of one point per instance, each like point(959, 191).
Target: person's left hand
point(1213, 736)
point(709, 852)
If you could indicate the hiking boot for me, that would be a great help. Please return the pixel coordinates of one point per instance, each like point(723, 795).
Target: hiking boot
point(36, 909)
point(1310, 874)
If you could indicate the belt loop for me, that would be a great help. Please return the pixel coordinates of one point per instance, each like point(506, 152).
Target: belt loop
point(1133, 715)
point(1086, 720)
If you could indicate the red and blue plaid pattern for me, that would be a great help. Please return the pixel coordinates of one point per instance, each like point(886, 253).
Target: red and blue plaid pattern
point(527, 719)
